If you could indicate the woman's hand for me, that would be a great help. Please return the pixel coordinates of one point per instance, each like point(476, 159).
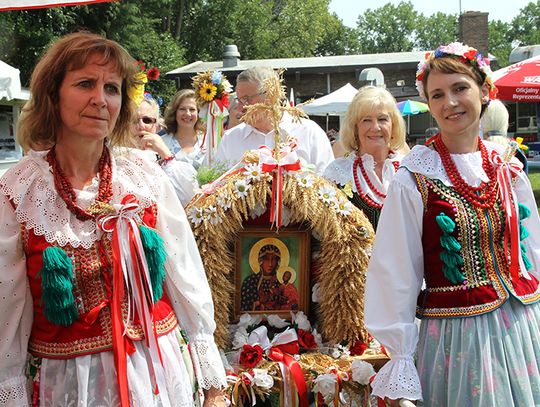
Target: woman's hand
point(214, 398)
point(154, 142)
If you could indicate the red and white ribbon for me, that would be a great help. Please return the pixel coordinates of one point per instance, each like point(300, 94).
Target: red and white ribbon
point(288, 160)
point(280, 349)
point(216, 112)
point(505, 171)
point(131, 277)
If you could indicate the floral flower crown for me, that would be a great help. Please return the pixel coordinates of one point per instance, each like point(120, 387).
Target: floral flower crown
point(467, 55)
point(136, 91)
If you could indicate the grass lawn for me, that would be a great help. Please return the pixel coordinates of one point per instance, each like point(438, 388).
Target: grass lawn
point(534, 176)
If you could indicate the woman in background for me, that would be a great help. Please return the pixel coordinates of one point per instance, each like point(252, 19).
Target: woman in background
point(181, 174)
point(184, 129)
point(372, 135)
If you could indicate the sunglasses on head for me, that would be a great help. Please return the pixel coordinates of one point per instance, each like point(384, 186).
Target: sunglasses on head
point(148, 120)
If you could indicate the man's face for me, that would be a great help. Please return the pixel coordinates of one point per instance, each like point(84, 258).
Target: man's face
point(269, 263)
point(248, 93)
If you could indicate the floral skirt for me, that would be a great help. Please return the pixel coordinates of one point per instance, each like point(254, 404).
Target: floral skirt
point(90, 380)
point(488, 360)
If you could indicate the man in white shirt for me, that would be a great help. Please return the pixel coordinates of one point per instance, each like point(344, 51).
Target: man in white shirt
point(313, 145)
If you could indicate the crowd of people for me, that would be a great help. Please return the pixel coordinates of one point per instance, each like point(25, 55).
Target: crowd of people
point(104, 293)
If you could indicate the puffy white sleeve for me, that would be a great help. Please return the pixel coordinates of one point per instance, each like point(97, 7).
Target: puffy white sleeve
point(188, 289)
point(15, 310)
point(321, 153)
point(183, 178)
point(394, 279)
point(525, 196)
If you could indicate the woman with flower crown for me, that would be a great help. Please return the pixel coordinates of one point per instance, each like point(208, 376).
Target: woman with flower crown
point(461, 221)
point(101, 283)
point(373, 135)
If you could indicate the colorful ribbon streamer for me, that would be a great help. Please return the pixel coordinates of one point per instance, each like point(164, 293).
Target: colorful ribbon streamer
point(131, 277)
point(505, 170)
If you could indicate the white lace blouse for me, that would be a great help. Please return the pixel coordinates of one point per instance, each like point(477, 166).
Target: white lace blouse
point(30, 186)
point(396, 269)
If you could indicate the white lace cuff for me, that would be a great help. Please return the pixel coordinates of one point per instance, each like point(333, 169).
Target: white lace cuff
point(207, 363)
point(398, 379)
point(14, 392)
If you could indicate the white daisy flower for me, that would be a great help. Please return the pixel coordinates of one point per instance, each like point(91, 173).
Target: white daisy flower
point(223, 201)
point(343, 207)
point(195, 215)
point(305, 180)
point(212, 215)
point(242, 187)
point(253, 172)
point(327, 194)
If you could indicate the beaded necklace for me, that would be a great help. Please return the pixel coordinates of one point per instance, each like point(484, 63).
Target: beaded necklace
point(358, 163)
point(482, 196)
point(67, 193)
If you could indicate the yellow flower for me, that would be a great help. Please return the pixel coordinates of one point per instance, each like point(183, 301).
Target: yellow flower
point(207, 92)
point(136, 92)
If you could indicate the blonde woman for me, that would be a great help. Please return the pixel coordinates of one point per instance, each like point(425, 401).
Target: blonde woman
point(372, 136)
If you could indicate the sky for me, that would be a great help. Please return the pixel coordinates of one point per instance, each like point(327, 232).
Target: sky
point(504, 10)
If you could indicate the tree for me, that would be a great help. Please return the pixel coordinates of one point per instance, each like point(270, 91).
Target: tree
point(434, 30)
point(338, 39)
point(525, 26)
point(388, 28)
point(28, 32)
point(500, 44)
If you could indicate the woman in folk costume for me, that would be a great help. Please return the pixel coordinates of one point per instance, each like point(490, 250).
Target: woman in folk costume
point(460, 216)
point(100, 277)
point(373, 135)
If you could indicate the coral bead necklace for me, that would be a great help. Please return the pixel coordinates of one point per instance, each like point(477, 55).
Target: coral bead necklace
point(358, 163)
point(482, 196)
point(67, 193)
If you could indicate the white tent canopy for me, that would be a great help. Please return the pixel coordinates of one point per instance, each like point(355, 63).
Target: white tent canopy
point(334, 104)
point(10, 83)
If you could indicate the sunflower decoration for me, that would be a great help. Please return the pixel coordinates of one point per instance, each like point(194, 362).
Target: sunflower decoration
point(208, 92)
point(136, 91)
point(212, 86)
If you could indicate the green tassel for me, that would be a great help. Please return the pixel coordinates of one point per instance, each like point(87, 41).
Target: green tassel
point(524, 212)
point(451, 259)
point(57, 287)
point(526, 261)
point(453, 274)
point(154, 249)
point(450, 255)
point(450, 243)
point(523, 232)
point(446, 223)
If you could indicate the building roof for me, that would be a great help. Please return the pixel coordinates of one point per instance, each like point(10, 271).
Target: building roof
point(338, 63)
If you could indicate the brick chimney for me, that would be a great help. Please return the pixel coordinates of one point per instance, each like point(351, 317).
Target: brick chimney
point(473, 30)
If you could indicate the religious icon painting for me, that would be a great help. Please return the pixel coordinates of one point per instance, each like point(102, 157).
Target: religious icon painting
point(272, 271)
